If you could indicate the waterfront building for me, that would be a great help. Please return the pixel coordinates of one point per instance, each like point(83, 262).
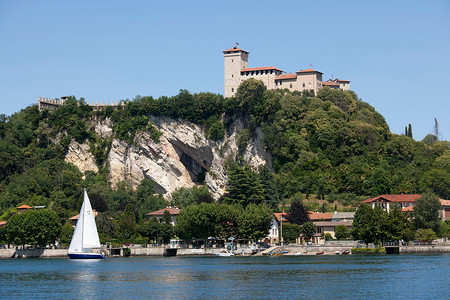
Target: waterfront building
point(406, 203)
point(173, 211)
point(237, 70)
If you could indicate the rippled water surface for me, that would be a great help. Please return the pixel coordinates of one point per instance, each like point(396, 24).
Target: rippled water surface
point(280, 277)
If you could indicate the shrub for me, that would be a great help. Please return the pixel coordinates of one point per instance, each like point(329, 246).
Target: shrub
point(378, 250)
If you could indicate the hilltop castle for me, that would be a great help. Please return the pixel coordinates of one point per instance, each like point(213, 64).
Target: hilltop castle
point(237, 70)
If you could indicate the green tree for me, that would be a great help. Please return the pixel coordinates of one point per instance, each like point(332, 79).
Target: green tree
point(166, 228)
point(198, 221)
point(341, 232)
point(291, 232)
point(243, 186)
point(426, 212)
point(255, 222)
point(66, 233)
point(127, 223)
point(267, 180)
point(308, 230)
point(298, 213)
point(14, 230)
point(365, 224)
point(184, 197)
point(150, 229)
point(426, 235)
point(395, 225)
point(106, 227)
point(34, 227)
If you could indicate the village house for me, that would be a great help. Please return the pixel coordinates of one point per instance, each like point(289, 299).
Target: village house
point(173, 211)
point(406, 203)
point(275, 227)
point(237, 70)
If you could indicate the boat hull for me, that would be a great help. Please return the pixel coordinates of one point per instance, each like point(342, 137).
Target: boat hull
point(86, 256)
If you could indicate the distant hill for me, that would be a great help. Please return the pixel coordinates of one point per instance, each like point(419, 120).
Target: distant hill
point(331, 145)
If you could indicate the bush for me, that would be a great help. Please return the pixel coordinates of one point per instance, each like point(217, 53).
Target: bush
point(378, 250)
point(126, 252)
point(328, 236)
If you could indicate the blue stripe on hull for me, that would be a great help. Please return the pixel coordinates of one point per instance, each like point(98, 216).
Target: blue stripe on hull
point(85, 256)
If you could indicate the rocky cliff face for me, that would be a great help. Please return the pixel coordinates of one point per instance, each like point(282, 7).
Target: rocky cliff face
point(183, 157)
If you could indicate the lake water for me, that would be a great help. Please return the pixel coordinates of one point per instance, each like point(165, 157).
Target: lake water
point(275, 277)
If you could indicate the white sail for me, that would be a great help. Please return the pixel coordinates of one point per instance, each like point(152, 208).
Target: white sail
point(85, 236)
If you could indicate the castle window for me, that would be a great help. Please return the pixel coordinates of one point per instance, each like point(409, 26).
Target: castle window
point(271, 71)
point(303, 84)
point(232, 90)
point(281, 82)
point(290, 86)
point(232, 60)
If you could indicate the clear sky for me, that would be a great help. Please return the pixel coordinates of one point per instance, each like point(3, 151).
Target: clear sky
point(395, 53)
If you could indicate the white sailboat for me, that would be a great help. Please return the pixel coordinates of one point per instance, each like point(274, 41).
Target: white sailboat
point(85, 237)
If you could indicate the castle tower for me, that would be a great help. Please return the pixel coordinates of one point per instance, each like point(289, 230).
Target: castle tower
point(235, 60)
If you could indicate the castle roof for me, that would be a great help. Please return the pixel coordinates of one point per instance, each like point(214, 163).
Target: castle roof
point(309, 71)
point(260, 69)
point(234, 49)
point(342, 80)
point(330, 83)
point(286, 76)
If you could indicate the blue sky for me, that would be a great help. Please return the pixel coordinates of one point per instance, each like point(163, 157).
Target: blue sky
point(395, 53)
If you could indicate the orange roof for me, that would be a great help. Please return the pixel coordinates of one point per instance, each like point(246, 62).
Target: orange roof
point(24, 207)
point(260, 69)
point(395, 198)
point(278, 216)
point(408, 208)
point(234, 49)
point(309, 71)
point(342, 80)
point(313, 216)
point(444, 202)
point(286, 76)
point(172, 210)
point(329, 83)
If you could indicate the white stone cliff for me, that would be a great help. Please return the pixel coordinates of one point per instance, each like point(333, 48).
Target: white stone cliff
point(183, 157)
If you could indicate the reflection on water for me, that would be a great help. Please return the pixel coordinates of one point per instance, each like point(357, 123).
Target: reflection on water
point(337, 277)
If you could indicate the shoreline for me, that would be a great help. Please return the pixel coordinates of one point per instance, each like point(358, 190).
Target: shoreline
point(290, 250)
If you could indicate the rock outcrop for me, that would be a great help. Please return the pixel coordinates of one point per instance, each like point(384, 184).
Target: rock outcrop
point(183, 157)
point(80, 156)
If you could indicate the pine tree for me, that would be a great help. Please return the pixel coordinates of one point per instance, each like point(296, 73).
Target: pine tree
point(298, 213)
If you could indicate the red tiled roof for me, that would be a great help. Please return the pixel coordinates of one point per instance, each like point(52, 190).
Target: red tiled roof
point(342, 80)
point(444, 202)
point(332, 224)
point(286, 76)
point(313, 216)
point(309, 71)
point(278, 216)
point(234, 49)
point(24, 207)
point(329, 83)
point(172, 210)
point(260, 69)
point(395, 198)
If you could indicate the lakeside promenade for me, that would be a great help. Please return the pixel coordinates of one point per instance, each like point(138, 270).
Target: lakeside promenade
point(247, 251)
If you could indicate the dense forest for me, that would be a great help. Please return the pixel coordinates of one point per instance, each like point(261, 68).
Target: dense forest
point(328, 149)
